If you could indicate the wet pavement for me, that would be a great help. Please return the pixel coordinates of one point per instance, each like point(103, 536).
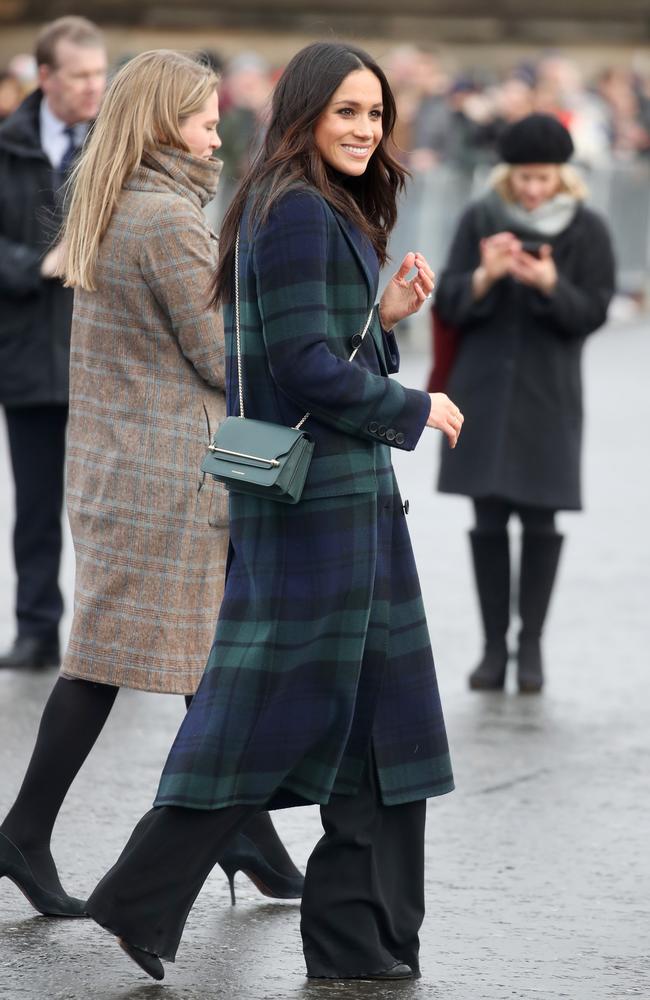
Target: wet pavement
point(538, 879)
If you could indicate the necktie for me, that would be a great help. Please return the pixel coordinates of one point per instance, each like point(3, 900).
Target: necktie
point(69, 154)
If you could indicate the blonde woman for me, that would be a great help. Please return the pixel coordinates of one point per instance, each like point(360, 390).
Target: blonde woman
point(529, 276)
point(147, 392)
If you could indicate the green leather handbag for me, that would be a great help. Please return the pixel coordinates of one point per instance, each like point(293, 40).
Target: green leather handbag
point(256, 456)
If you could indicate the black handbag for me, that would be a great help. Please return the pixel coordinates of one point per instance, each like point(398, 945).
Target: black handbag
point(256, 456)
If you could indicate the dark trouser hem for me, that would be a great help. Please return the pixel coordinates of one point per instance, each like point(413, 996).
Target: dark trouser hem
point(363, 901)
point(147, 895)
point(99, 919)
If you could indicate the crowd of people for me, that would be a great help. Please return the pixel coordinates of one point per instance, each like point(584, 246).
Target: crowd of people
point(445, 115)
point(129, 332)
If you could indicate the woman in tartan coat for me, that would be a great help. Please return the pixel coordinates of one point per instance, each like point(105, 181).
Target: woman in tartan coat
point(320, 687)
point(147, 383)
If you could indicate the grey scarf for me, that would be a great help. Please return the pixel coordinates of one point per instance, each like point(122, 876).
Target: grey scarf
point(552, 217)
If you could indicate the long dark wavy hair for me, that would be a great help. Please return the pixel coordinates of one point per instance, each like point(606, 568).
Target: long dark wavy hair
point(289, 156)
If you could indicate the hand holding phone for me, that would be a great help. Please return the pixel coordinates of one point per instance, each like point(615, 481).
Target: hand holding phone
point(536, 269)
point(533, 247)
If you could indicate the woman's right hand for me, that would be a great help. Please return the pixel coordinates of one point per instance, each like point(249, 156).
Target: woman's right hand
point(445, 416)
point(497, 255)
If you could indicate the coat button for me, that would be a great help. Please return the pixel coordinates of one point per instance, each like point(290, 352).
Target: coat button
point(390, 434)
point(399, 438)
point(381, 431)
point(406, 506)
point(356, 340)
point(372, 426)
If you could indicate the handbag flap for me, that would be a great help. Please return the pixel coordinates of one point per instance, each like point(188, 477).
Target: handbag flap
point(253, 442)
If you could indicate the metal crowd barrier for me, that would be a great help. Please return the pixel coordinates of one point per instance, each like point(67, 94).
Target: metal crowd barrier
point(434, 202)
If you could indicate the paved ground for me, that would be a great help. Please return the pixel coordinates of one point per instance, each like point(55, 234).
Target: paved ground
point(538, 876)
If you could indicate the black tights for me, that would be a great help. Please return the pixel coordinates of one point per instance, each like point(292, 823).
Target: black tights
point(73, 718)
point(493, 513)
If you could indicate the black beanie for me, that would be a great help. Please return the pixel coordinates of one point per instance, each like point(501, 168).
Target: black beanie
point(536, 139)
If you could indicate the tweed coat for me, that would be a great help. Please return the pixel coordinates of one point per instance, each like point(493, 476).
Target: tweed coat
point(147, 392)
point(321, 645)
point(517, 375)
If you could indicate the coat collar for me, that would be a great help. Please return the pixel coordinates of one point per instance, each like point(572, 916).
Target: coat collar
point(169, 169)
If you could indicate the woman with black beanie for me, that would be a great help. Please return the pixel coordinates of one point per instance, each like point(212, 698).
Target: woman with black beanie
point(530, 274)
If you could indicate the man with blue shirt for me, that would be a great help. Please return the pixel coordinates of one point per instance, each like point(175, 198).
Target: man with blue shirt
point(38, 146)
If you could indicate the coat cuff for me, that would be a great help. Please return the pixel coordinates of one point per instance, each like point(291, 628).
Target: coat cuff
point(408, 427)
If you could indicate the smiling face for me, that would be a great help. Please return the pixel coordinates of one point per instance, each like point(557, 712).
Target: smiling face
point(200, 130)
point(350, 128)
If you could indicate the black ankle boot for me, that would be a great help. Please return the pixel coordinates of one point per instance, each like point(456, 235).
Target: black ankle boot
point(491, 558)
point(540, 556)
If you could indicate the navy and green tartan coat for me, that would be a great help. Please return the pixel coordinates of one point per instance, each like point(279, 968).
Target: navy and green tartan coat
point(321, 648)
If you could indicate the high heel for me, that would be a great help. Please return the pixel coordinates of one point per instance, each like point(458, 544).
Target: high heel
point(245, 856)
point(149, 963)
point(14, 866)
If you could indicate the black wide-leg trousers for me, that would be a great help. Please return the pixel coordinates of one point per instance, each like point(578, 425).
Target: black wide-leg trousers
point(363, 901)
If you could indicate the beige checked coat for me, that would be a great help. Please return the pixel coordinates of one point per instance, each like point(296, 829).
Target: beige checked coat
point(146, 394)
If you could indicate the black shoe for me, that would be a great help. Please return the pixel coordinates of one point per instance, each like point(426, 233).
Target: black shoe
point(395, 972)
point(14, 866)
point(29, 652)
point(149, 963)
point(399, 971)
point(245, 856)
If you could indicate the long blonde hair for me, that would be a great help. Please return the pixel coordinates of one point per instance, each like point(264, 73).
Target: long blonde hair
point(570, 182)
point(143, 109)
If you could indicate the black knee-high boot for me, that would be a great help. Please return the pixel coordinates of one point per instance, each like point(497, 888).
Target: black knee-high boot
point(491, 557)
point(540, 556)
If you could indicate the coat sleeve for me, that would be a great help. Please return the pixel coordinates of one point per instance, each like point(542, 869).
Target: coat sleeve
point(290, 260)
point(178, 261)
point(20, 268)
point(454, 297)
point(579, 304)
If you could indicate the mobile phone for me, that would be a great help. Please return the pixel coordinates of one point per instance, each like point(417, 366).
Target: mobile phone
point(532, 247)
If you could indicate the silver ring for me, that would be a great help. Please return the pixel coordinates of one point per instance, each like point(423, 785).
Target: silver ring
point(429, 295)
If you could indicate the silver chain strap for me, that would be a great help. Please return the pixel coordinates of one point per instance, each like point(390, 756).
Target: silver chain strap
point(302, 420)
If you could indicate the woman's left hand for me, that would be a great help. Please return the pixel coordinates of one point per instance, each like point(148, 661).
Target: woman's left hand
point(538, 272)
point(404, 297)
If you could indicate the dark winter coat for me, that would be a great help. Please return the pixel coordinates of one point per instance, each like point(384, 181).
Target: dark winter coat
point(35, 313)
point(321, 645)
point(517, 374)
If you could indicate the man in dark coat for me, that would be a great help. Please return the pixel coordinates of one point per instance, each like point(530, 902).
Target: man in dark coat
point(38, 145)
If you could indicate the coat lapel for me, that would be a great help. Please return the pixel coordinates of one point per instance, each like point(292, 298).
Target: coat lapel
point(356, 243)
point(354, 239)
